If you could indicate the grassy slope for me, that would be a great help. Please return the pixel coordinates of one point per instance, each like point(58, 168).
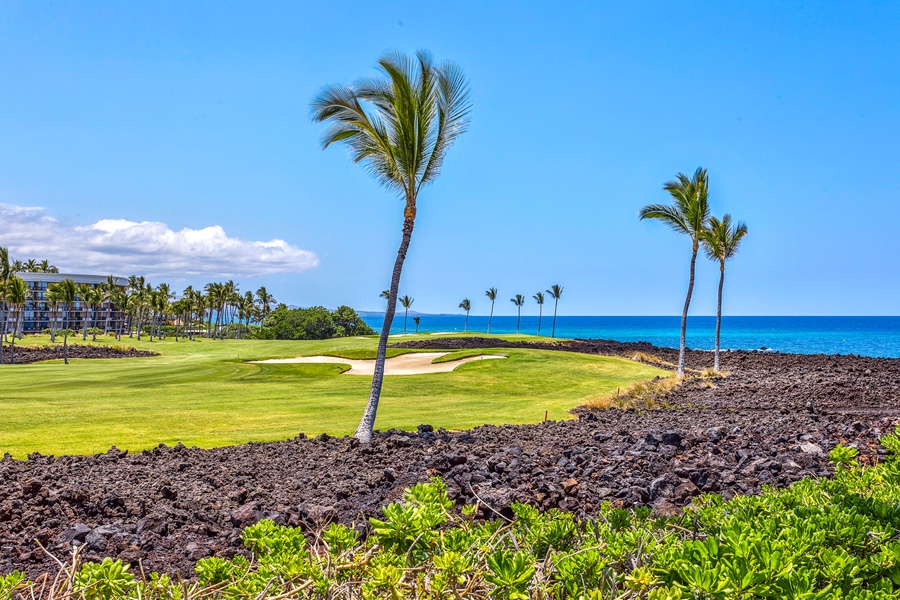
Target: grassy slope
point(203, 393)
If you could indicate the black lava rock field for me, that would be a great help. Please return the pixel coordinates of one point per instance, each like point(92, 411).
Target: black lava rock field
point(772, 421)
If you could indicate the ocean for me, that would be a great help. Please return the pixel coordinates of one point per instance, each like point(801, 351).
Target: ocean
point(866, 336)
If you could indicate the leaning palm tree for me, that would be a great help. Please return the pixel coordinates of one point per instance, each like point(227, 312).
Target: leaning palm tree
point(406, 301)
point(721, 241)
point(492, 295)
point(17, 294)
point(519, 300)
point(539, 298)
point(555, 292)
point(466, 305)
point(400, 125)
point(688, 215)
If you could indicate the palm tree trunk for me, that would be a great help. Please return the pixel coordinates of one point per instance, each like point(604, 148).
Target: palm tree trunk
point(466, 326)
point(555, 305)
point(66, 336)
point(518, 320)
point(94, 323)
point(367, 424)
point(491, 317)
point(684, 313)
point(12, 343)
point(719, 313)
point(540, 317)
point(2, 329)
point(405, 315)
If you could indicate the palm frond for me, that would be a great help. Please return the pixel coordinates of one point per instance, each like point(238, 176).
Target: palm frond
point(721, 240)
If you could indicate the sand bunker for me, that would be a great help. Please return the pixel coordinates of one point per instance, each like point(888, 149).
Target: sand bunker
point(416, 363)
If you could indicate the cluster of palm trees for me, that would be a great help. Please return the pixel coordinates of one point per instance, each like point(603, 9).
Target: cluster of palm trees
point(720, 238)
point(518, 300)
point(32, 266)
point(217, 311)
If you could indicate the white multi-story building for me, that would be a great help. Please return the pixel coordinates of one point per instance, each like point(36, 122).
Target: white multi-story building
point(38, 313)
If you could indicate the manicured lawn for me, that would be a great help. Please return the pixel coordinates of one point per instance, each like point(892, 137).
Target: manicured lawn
point(204, 393)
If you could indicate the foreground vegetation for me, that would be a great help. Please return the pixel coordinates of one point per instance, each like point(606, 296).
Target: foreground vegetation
point(205, 393)
point(820, 539)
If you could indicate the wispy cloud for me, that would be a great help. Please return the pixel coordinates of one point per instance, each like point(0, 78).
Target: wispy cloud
point(148, 248)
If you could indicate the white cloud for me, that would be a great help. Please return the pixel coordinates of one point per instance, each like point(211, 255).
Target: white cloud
point(148, 248)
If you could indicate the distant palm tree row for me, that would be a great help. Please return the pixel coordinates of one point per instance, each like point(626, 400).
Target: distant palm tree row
point(32, 266)
point(720, 239)
point(518, 300)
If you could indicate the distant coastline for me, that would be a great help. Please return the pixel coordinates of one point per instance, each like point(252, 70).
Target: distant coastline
point(865, 336)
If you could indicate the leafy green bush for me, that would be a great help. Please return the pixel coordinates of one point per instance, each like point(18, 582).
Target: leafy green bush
point(820, 539)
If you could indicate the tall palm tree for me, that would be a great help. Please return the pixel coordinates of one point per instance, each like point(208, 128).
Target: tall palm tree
point(492, 294)
point(68, 293)
point(417, 320)
point(688, 215)
point(31, 265)
point(466, 305)
point(5, 273)
point(53, 300)
point(93, 298)
point(721, 241)
point(17, 294)
point(406, 301)
point(555, 292)
point(266, 300)
point(400, 125)
point(518, 300)
point(84, 291)
point(539, 298)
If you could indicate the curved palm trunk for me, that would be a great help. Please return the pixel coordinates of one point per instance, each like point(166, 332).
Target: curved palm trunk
point(367, 424)
point(540, 316)
point(491, 317)
point(719, 313)
point(553, 331)
point(684, 313)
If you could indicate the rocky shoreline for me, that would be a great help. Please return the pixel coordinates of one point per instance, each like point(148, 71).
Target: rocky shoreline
point(31, 354)
point(772, 421)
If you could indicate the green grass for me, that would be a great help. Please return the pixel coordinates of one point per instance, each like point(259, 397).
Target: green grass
point(204, 393)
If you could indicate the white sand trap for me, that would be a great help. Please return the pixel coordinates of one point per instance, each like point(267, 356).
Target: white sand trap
point(415, 363)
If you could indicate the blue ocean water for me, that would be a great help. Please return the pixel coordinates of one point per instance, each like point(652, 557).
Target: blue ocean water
point(867, 336)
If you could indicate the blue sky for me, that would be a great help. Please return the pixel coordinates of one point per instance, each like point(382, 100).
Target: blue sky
point(177, 122)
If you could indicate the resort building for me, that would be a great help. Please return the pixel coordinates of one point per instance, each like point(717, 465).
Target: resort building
point(38, 314)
